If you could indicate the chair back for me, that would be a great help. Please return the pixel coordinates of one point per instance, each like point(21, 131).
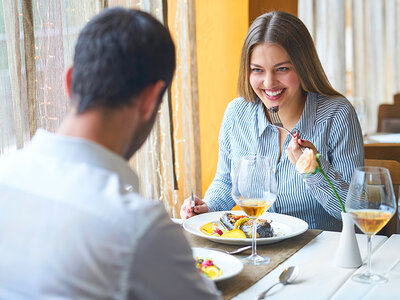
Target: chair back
point(394, 169)
point(389, 116)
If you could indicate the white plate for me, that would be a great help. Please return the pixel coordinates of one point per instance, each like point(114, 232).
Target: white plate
point(284, 227)
point(229, 265)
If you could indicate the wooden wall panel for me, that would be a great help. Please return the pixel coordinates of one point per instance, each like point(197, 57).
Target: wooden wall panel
point(258, 7)
point(221, 27)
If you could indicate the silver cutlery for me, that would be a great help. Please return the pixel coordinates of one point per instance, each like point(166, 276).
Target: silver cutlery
point(192, 201)
point(276, 121)
point(237, 251)
point(287, 276)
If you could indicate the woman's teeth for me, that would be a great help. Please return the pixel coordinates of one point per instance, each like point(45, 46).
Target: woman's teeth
point(273, 93)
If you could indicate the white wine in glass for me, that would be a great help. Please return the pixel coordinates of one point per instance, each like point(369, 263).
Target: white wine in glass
point(254, 191)
point(255, 207)
point(370, 221)
point(371, 203)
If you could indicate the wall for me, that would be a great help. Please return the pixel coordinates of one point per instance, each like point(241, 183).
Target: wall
point(259, 7)
point(221, 26)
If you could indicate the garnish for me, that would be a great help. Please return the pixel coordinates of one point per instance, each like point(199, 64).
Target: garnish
point(208, 268)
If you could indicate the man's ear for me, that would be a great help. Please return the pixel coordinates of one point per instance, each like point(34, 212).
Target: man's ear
point(149, 99)
point(68, 79)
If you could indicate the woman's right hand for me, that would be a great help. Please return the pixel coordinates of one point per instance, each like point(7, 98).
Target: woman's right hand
point(199, 208)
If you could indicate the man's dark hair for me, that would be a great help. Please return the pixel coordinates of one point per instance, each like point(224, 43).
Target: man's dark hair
point(118, 53)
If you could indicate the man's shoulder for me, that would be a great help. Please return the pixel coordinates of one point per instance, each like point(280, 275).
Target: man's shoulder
point(142, 210)
point(13, 162)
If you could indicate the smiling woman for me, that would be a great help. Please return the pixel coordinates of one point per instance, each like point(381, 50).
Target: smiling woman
point(280, 68)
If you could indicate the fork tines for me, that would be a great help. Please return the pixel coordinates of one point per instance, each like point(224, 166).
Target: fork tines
point(273, 113)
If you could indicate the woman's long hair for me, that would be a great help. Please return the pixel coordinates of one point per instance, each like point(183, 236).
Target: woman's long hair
point(291, 34)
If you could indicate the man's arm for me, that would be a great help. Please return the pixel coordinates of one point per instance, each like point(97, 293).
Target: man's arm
point(164, 268)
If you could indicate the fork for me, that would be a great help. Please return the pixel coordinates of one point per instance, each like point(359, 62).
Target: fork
point(276, 121)
point(240, 250)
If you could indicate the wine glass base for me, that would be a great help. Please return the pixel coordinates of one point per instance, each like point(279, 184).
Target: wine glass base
point(369, 278)
point(255, 260)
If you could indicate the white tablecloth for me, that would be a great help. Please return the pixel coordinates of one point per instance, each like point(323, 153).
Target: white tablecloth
point(383, 138)
point(320, 278)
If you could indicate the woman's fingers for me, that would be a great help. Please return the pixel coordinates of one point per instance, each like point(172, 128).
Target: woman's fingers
point(187, 211)
point(307, 144)
point(202, 208)
point(294, 151)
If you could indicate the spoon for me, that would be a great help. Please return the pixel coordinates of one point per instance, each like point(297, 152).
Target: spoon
point(287, 276)
point(240, 250)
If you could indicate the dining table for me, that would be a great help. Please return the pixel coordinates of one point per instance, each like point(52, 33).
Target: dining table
point(382, 146)
point(320, 277)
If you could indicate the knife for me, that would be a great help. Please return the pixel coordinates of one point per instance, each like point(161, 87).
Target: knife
point(192, 202)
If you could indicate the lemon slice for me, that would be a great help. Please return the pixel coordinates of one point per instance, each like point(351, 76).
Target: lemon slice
point(235, 234)
point(212, 272)
point(207, 229)
point(240, 222)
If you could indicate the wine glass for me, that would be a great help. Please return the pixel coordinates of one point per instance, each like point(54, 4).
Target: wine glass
point(398, 204)
point(371, 202)
point(254, 190)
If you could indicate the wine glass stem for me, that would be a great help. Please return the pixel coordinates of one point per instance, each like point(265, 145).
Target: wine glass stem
point(369, 247)
point(253, 239)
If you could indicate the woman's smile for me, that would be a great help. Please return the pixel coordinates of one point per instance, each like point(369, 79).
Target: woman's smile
point(273, 94)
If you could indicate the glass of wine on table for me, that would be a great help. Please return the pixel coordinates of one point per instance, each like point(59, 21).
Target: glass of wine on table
point(254, 190)
point(371, 203)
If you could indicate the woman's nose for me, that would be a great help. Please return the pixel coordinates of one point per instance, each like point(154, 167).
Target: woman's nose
point(269, 79)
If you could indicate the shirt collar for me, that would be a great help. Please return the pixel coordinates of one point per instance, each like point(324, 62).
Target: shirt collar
point(84, 151)
point(262, 121)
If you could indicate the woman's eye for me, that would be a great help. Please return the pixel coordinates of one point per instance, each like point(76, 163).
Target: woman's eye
point(281, 69)
point(255, 70)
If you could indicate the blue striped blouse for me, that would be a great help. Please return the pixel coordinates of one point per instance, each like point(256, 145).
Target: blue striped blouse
point(330, 123)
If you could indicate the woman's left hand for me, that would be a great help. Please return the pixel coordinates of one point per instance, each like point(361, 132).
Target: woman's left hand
point(294, 150)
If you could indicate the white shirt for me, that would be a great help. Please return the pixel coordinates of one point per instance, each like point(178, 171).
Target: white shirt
point(69, 229)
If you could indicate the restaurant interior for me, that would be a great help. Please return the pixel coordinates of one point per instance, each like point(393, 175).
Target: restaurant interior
point(358, 43)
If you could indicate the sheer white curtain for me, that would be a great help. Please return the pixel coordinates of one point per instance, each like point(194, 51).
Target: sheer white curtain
point(37, 39)
point(36, 44)
point(358, 42)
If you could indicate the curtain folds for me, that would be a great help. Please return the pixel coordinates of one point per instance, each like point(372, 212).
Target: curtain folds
point(37, 48)
point(12, 34)
point(358, 42)
point(29, 47)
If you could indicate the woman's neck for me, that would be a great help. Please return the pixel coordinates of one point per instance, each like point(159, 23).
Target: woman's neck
point(291, 114)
